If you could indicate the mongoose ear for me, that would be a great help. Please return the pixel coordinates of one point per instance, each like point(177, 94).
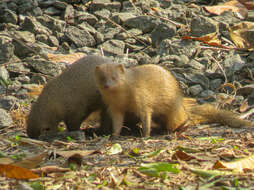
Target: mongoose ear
point(121, 68)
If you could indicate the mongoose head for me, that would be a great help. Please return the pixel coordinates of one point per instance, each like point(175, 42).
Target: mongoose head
point(109, 76)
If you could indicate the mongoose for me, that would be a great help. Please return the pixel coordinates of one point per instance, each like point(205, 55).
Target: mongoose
point(151, 92)
point(70, 97)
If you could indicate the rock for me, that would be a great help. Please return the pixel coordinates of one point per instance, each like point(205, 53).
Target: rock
point(207, 94)
point(86, 17)
point(28, 6)
point(52, 11)
point(6, 49)
point(80, 38)
point(104, 4)
point(195, 90)
point(120, 18)
point(161, 32)
point(201, 26)
point(3, 73)
point(17, 68)
point(32, 25)
point(8, 16)
point(9, 102)
point(55, 25)
point(5, 119)
point(102, 14)
point(215, 84)
point(144, 23)
point(69, 14)
point(196, 65)
point(45, 67)
point(113, 47)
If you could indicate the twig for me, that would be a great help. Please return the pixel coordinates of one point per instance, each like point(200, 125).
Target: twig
point(247, 114)
point(166, 19)
point(221, 68)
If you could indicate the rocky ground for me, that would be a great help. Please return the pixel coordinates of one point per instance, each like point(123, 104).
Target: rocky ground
point(38, 38)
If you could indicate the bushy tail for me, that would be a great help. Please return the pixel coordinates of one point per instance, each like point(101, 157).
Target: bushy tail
point(207, 113)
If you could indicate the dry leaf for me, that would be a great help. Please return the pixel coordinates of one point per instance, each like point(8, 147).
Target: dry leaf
point(244, 106)
point(16, 172)
point(65, 58)
point(234, 6)
point(6, 160)
point(50, 169)
point(242, 35)
point(32, 162)
point(238, 165)
point(182, 156)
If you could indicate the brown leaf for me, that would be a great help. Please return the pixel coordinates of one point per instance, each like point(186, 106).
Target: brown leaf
point(242, 35)
point(69, 153)
point(50, 169)
point(238, 165)
point(182, 156)
point(234, 6)
point(66, 58)
point(16, 172)
point(32, 162)
point(244, 106)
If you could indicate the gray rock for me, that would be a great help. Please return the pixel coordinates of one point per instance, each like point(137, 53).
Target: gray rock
point(24, 186)
point(53, 41)
point(45, 67)
point(4, 74)
point(207, 94)
point(42, 38)
point(104, 4)
point(55, 25)
point(79, 38)
point(6, 49)
point(113, 47)
point(23, 79)
point(86, 17)
point(69, 14)
point(8, 16)
point(196, 65)
point(177, 47)
point(5, 119)
point(102, 14)
point(38, 79)
point(52, 11)
point(201, 25)
point(144, 23)
point(32, 25)
point(177, 60)
point(215, 84)
point(9, 102)
point(17, 68)
point(60, 5)
point(121, 17)
point(234, 63)
point(161, 32)
point(27, 6)
point(195, 90)
point(195, 78)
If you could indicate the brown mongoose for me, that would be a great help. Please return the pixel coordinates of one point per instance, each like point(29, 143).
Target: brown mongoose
point(149, 91)
point(70, 97)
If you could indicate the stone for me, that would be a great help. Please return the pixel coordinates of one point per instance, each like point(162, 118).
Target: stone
point(4, 74)
point(79, 38)
point(161, 32)
point(32, 25)
point(8, 16)
point(113, 47)
point(6, 49)
point(201, 26)
point(9, 102)
point(195, 90)
point(144, 23)
point(5, 119)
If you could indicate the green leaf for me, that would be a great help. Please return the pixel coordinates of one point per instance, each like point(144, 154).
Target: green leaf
point(158, 169)
point(209, 173)
point(152, 154)
point(37, 185)
point(115, 149)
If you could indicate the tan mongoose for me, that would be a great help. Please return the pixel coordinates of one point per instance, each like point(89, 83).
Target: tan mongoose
point(70, 97)
point(149, 91)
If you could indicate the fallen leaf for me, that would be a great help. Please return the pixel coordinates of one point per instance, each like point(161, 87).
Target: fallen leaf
point(50, 169)
point(69, 153)
point(65, 58)
point(16, 172)
point(115, 149)
point(242, 35)
point(238, 165)
point(32, 162)
point(209, 173)
point(244, 106)
point(182, 156)
point(234, 6)
point(6, 160)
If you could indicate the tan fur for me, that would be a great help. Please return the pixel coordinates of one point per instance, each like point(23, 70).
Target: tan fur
point(149, 91)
